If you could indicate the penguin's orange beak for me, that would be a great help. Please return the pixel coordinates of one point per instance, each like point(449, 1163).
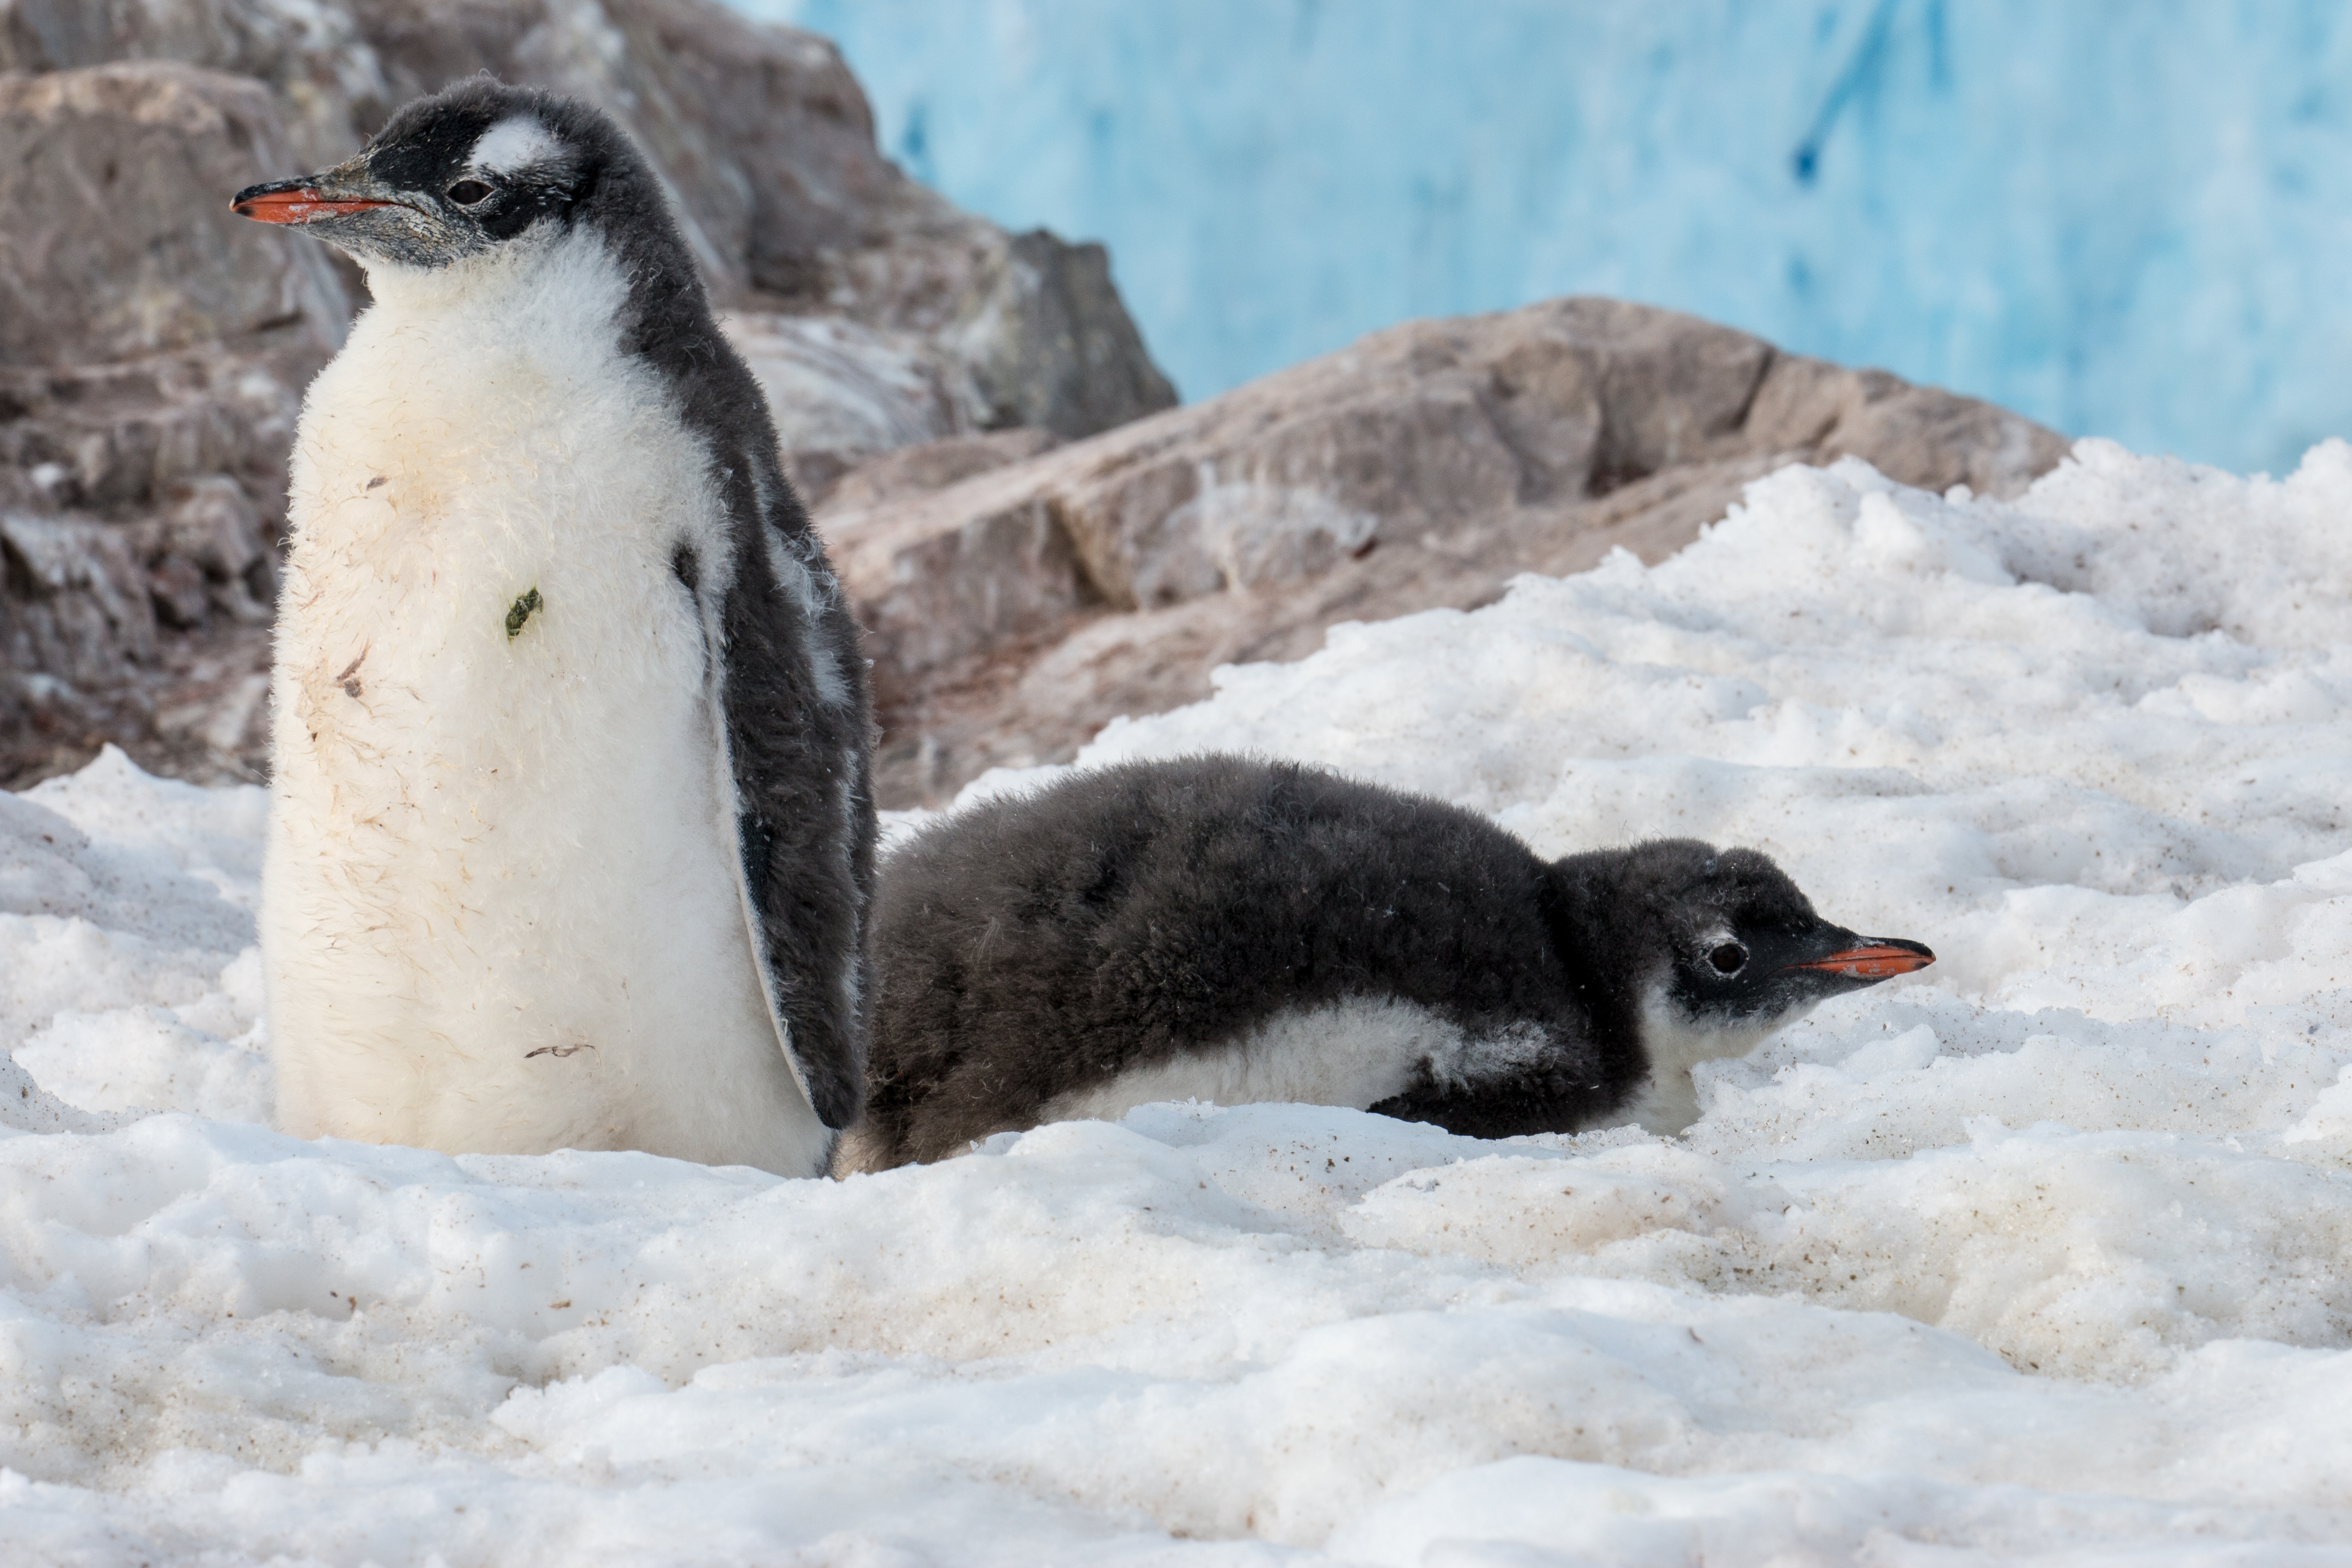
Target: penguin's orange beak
point(295, 202)
point(1878, 960)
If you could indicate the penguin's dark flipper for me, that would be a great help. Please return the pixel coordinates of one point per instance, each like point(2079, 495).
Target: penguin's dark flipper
point(798, 719)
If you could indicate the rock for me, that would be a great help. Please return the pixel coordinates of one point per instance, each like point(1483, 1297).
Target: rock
point(153, 351)
point(843, 392)
point(318, 72)
point(939, 578)
point(1013, 613)
point(153, 355)
point(118, 244)
point(1049, 344)
point(764, 138)
point(153, 348)
point(935, 465)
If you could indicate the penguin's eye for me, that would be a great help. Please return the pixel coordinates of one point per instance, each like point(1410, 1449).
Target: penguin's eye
point(465, 193)
point(1728, 959)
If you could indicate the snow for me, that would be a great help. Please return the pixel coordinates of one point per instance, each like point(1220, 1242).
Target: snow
point(2122, 220)
point(2043, 1255)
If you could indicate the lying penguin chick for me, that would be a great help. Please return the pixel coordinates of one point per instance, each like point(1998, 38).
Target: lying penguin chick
point(1236, 931)
point(570, 832)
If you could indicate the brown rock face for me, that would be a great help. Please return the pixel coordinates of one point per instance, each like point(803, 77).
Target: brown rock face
point(151, 361)
point(1014, 612)
point(153, 348)
point(762, 135)
point(108, 172)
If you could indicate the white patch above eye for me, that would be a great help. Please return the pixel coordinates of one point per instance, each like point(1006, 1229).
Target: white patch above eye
point(515, 142)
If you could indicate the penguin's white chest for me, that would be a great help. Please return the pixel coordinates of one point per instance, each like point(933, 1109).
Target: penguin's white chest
point(499, 908)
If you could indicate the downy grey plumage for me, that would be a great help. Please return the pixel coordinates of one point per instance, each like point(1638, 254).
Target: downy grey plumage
point(1233, 929)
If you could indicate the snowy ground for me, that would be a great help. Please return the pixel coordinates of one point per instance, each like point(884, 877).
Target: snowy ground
point(2046, 1256)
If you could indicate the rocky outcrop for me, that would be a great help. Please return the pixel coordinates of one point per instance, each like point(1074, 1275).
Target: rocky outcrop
point(153, 348)
point(843, 392)
point(151, 362)
point(109, 253)
point(1013, 611)
point(763, 134)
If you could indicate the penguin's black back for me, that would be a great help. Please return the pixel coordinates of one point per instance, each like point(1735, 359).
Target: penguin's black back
point(1043, 943)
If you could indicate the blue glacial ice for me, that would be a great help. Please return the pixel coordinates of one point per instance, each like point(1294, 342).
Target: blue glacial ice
point(2124, 217)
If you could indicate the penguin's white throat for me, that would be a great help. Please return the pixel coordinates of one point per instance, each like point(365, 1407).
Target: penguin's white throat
point(543, 279)
point(1675, 1041)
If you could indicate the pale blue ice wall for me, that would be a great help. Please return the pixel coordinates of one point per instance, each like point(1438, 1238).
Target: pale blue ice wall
point(2125, 217)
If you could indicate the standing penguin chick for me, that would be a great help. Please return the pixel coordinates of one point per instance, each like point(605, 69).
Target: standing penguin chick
point(571, 834)
point(1234, 931)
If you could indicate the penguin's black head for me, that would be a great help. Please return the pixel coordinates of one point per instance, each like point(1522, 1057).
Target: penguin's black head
point(1717, 940)
point(458, 175)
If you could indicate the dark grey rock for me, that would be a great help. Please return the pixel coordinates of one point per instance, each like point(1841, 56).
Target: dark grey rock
point(1050, 345)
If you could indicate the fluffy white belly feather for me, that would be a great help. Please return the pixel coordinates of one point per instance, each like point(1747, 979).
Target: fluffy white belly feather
point(1362, 1050)
point(1355, 1052)
point(500, 908)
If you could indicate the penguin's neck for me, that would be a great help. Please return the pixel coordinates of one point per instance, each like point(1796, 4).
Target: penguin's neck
point(469, 397)
point(1675, 1040)
point(1603, 971)
point(537, 290)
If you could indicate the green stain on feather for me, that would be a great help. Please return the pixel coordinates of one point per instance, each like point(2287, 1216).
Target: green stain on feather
point(519, 612)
